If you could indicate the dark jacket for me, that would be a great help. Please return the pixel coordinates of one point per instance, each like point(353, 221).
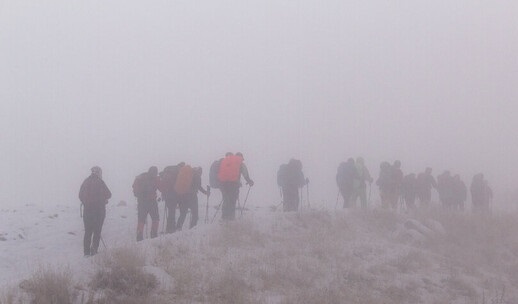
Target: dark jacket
point(94, 192)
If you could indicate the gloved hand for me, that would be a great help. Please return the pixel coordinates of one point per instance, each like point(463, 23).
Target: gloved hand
point(159, 199)
point(251, 183)
point(307, 180)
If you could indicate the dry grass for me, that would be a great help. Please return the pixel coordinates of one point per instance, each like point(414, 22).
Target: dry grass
point(49, 286)
point(121, 278)
point(320, 257)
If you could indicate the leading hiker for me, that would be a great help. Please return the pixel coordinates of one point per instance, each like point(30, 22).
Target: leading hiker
point(94, 195)
point(231, 169)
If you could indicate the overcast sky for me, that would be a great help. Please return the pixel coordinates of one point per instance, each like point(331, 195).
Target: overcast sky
point(130, 84)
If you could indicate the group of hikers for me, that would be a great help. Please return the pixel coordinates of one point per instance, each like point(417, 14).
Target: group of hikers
point(179, 186)
point(401, 191)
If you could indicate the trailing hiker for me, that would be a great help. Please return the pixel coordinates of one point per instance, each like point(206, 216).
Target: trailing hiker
point(94, 195)
point(166, 186)
point(290, 178)
point(345, 176)
point(229, 177)
point(360, 183)
point(144, 189)
point(481, 194)
point(425, 183)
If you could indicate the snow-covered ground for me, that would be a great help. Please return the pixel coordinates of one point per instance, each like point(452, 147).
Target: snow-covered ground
point(318, 256)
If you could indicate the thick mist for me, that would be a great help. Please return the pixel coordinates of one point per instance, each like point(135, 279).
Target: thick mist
point(127, 84)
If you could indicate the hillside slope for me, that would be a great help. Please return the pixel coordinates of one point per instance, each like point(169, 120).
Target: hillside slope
point(372, 256)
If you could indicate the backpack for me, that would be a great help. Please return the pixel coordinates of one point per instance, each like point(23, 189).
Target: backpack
point(230, 169)
point(281, 175)
point(184, 180)
point(168, 178)
point(138, 185)
point(340, 174)
point(213, 174)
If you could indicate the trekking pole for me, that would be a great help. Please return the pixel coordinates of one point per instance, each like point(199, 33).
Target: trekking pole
point(246, 198)
point(370, 191)
point(165, 217)
point(239, 206)
point(217, 209)
point(104, 244)
point(207, 206)
point(307, 196)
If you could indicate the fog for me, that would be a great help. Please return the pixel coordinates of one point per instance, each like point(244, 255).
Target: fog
point(130, 84)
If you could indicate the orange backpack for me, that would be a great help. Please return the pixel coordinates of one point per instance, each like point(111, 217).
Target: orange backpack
point(230, 168)
point(184, 180)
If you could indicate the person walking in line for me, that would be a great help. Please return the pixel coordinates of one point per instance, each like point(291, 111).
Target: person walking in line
point(166, 186)
point(192, 196)
point(94, 195)
point(290, 178)
point(409, 191)
point(425, 183)
point(345, 176)
point(144, 189)
point(231, 168)
point(360, 183)
point(481, 194)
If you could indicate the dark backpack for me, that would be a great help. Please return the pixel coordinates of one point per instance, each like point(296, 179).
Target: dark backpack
point(282, 175)
point(340, 174)
point(213, 174)
point(139, 185)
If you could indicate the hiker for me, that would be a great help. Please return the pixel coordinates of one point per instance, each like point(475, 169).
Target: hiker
point(395, 182)
point(187, 187)
point(425, 183)
point(94, 195)
point(481, 194)
point(144, 189)
point(409, 190)
point(229, 175)
point(167, 181)
point(384, 183)
point(290, 178)
point(360, 183)
point(345, 176)
point(460, 193)
point(193, 196)
point(446, 189)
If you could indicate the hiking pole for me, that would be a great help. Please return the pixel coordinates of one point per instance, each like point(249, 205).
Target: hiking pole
point(165, 217)
point(207, 206)
point(370, 191)
point(307, 194)
point(239, 206)
point(246, 198)
point(217, 209)
point(104, 244)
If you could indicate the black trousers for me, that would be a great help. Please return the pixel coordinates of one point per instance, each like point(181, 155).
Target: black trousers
point(171, 205)
point(93, 219)
point(290, 198)
point(144, 208)
point(230, 193)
